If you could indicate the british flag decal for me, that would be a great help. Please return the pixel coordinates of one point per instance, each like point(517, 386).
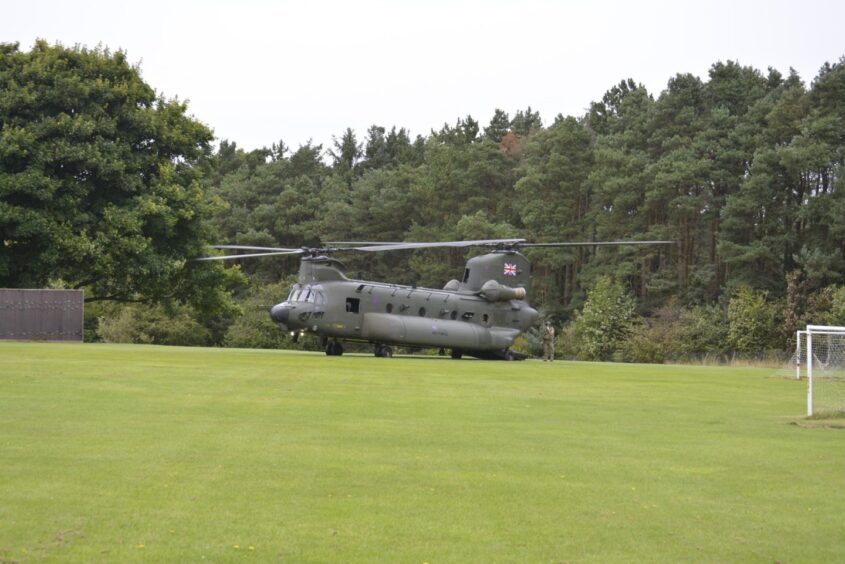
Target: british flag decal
point(510, 269)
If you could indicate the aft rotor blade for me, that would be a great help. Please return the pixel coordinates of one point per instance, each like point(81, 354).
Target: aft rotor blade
point(276, 253)
point(434, 245)
point(251, 248)
point(595, 243)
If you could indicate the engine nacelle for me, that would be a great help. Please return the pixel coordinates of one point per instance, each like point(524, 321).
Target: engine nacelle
point(493, 291)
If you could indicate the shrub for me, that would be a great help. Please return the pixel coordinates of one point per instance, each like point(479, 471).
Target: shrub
point(753, 322)
point(702, 330)
point(652, 340)
point(137, 323)
point(530, 342)
point(606, 320)
point(254, 328)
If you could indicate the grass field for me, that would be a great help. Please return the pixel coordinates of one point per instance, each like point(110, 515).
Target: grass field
point(121, 453)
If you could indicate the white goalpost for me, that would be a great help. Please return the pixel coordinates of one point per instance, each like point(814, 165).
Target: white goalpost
point(820, 355)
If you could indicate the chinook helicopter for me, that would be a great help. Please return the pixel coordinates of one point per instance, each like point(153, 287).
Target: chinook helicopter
point(479, 315)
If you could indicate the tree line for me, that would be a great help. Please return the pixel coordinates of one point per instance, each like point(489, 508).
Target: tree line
point(107, 186)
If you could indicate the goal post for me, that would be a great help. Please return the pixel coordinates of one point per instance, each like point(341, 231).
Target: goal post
point(800, 337)
point(823, 356)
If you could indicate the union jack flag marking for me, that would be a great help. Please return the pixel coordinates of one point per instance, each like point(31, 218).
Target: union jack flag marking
point(510, 269)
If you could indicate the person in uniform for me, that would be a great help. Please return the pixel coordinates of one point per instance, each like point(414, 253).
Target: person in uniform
point(548, 342)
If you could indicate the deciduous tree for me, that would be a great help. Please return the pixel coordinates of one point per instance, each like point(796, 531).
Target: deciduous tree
point(100, 183)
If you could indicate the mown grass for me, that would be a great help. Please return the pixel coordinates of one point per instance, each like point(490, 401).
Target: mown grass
point(122, 453)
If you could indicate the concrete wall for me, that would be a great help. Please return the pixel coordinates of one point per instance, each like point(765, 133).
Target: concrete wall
point(43, 315)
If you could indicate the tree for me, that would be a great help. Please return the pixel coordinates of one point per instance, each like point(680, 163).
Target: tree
point(499, 126)
point(552, 204)
point(464, 131)
point(345, 155)
point(100, 183)
point(605, 321)
point(527, 122)
point(787, 212)
point(619, 185)
point(602, 113)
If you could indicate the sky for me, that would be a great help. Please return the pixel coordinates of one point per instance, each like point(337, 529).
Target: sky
point(260, 71)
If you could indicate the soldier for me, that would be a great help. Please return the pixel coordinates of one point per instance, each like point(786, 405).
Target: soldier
point(548, 342)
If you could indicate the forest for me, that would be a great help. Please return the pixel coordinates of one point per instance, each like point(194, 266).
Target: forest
point(106, 185)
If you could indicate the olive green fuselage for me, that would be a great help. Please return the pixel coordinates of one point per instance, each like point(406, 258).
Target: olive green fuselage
point(482, 314)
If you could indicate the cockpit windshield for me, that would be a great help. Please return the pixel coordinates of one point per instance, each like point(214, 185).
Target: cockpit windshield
point(307, 294)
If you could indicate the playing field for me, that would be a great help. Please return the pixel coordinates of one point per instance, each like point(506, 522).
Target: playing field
point(116, 453)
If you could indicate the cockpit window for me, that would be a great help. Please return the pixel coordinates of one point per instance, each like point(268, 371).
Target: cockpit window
point(306, 294)
point(293, 293)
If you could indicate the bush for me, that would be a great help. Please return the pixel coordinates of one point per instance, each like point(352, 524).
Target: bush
point(700, 331)
point(825, 307)
point(160, 325)
point(254, 328)
point(566, 342)
point(606, 320)
point(753, 322)
point(530, 342)
point(652, 340)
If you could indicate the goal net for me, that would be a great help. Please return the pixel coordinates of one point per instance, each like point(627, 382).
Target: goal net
point(820, 358)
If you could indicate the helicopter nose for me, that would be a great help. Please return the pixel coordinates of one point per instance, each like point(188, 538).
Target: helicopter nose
point(280, 313)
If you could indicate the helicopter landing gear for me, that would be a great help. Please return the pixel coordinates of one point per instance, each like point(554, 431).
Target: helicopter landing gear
point(383, 351)
point(509, 355)
point(333, 348)
point(456, 354)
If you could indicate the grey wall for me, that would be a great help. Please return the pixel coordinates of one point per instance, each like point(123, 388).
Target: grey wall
point(44, 315)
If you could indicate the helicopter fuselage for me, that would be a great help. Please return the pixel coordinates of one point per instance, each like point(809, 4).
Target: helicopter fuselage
point(480, 316)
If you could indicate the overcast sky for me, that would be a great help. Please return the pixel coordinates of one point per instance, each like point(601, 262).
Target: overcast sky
point(257, 71)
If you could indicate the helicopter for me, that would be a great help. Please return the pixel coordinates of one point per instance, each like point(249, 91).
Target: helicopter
point(480, 315)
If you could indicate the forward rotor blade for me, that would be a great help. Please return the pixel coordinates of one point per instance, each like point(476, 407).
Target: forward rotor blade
point(434, 245)
point(251, 248)
point(276, 253)
point(359, 243)
point(596, 243)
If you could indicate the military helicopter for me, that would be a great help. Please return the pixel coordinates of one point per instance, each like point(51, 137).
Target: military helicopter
point(480, 315)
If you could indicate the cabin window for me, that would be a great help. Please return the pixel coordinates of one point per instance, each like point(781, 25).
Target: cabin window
point(466, 275)
point(468, 315)
point(388, 308)
point(454, 314)
point(485, 318)
point(320, 299)
point(352, 305)
point(422, 312)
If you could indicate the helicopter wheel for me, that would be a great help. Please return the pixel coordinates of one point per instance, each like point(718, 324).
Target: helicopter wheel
point(333, 348)
point(383, 351)
point(456, 354)
point(509, 355)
